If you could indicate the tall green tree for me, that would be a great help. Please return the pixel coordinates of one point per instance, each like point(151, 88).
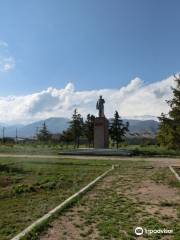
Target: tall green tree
point(44, 135)
point(118, 129)
point(169, 129)
point(66, 137)
point(76, 127)
point(89, 129)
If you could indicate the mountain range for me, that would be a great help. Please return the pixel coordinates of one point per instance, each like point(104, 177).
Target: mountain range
point(57, 125)
point(54, 125)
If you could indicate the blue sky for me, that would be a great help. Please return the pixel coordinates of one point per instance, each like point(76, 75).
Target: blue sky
point(94, 44)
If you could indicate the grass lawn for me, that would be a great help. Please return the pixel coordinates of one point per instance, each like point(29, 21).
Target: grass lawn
point(30, 148)
point(30, 187)
point(134, 194)
point(152, 150)
point(54, 149)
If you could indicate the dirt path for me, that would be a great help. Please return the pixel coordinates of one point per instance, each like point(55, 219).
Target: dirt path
point(130, 197)
point(68, 226)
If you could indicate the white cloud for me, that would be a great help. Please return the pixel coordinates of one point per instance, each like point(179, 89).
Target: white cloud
point(7, 62)
point(3, 44)
point(135, 99)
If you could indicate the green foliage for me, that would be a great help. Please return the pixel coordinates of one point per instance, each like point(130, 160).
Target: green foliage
point(118, 129)
point(89, 129)
point(44, 134)
point(76, 127)
point(67, 136)
point(169, 131)
point(23, 188)
point(152, 150)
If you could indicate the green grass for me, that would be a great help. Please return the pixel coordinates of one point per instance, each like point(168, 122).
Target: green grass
point(50, 149)
point(29, 188)
point(152, 150)
point(30, 148)
point(112, 210)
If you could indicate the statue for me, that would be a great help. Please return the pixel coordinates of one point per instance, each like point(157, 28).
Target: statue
point(100, 106)
point(101, 139)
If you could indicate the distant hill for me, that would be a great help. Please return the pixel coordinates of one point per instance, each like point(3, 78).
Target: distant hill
point(137, 128)
point(143, 127)
point(54, 125)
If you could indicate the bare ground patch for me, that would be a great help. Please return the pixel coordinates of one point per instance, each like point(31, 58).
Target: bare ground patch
point(72, 225)
point(151, 192)
point(166, 212)
point(127, 198)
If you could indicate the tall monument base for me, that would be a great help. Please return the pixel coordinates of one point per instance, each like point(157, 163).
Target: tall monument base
point(101, 139)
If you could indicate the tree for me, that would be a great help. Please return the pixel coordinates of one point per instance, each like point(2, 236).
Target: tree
point(76, 127)
point(66, 136)
point(169, 129)
point(89, 129)
point(118, 129)
point(44, 134)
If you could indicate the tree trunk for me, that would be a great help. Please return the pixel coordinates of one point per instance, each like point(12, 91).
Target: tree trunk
point(78, 142)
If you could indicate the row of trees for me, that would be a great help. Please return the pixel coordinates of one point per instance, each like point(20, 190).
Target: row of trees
point(78, 128)
point(169, 130)
point(85, 129)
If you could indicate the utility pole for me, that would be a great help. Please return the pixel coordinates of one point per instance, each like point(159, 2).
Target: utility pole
point(16, 135)
point(3, 130)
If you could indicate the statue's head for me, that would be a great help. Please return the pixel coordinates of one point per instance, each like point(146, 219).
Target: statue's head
point(100, 96)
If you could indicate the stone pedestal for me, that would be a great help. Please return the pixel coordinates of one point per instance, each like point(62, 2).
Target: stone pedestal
point(101, 133)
